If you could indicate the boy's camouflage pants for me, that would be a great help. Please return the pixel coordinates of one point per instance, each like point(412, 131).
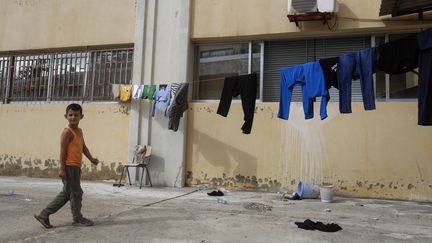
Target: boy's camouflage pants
point(71, 192)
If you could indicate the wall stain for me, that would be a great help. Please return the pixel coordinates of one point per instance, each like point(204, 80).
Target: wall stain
point(188, 175)
point(269, 184)
point(37, 162)
point(13, 166)
point(124, 109)
point(238, 181)
point(28, 162)
point(30, 3)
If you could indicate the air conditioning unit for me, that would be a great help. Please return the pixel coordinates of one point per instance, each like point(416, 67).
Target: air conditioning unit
point(312, 6)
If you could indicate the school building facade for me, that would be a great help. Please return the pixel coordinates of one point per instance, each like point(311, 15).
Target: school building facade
point(56, 52)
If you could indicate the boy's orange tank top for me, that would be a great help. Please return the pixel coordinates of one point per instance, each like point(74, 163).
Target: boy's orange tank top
point(75, 149)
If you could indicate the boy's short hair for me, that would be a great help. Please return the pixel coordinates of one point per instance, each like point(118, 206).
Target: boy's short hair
point(74, 107)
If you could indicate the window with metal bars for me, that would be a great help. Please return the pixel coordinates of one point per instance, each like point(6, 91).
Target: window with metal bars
point(73, 75)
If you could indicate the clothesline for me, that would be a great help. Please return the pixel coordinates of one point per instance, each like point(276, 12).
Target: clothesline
point(222, 78)
point(337, 71)
point(384, 20)
point(276, 69)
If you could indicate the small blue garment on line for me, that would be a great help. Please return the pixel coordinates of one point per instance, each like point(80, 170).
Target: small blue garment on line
point(161, 98)
point(311, 78)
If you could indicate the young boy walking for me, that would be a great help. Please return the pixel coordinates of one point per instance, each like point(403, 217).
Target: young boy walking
point(72, 147)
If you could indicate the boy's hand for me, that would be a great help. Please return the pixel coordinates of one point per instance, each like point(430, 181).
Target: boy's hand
point(95, 161)
point(62, 174)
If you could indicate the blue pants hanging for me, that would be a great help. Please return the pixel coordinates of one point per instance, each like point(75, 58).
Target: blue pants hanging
point(425, 78)
point(352, 66)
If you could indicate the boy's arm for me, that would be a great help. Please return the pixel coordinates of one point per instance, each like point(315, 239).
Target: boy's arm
point(89, 156)
point(64, 142)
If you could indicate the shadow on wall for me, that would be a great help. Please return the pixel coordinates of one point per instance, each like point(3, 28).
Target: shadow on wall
point(220, 154)
point(156, 166)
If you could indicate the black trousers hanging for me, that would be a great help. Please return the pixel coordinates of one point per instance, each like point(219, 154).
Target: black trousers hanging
point(399, 56)
point(246, 87)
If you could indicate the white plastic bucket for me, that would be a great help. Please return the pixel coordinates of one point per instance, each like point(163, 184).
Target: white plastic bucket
point(306, 190)
point(326, 193)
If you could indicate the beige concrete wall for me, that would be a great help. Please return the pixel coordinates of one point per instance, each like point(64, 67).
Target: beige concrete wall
point(40, 24)
point(213, 19)
point(381, 153)
point(30, 138)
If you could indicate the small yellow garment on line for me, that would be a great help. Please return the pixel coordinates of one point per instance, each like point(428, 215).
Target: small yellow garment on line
point(125, 92)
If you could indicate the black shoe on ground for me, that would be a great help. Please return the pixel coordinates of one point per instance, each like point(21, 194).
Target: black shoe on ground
point(44, 221)
point(83, 222)
point(215, 193)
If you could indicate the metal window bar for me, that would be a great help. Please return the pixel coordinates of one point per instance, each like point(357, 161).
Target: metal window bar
point(69, 86)
point(121, 67)
point(16, 84)
point(4, 76)
point(99, 68)
point(2, 79)
point(50, 77)
point(85, 81)
point(44, 75)
point(10, 74)
point(18, 78)
point(56, 79)
point(115, 68)
point(109, 73)
point(130, 63)
point(126, 64)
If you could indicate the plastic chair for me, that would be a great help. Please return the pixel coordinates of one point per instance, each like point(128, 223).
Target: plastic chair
point(141, 159)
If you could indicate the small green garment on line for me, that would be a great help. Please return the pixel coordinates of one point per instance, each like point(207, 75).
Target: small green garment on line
point(148, 91)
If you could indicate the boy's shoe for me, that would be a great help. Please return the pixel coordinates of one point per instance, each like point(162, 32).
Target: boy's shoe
point(44, 221)
point(83, 222)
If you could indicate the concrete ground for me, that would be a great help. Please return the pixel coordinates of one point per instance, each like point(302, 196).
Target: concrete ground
point(128, 214)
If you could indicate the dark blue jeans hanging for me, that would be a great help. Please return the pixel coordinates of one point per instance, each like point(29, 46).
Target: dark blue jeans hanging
point(353, 66)
point(425, 78)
